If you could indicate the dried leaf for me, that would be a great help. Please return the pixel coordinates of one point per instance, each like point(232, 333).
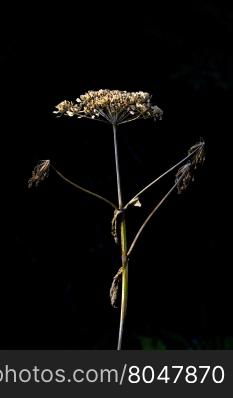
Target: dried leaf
point(136, 202)
point(114, 224)
point(114, 287)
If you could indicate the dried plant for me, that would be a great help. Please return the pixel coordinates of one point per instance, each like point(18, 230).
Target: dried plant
point(117, 107)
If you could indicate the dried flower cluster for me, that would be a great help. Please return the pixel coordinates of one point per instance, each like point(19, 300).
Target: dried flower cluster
point(185, 173)
point(39, 173)
point(199, 153)
point(113, 106)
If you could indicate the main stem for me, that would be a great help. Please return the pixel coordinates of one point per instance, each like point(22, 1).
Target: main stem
point(124, 259)
point(117, 168)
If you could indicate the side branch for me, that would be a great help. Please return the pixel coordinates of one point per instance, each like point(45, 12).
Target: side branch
point(83, 189)
point(197, 148)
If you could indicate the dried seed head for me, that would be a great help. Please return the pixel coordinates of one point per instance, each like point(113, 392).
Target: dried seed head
point(185, 174)
point(183, 177)
point(199, 155)
point(64, 107)
point(39, 173)
point(113, 106)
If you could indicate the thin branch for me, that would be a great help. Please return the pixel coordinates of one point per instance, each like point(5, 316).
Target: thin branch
point(161, 176)
point(150, 215)
point(121, 115)
point(130, 120)
point(91, 118)
point(84, 189)
point(104, 115)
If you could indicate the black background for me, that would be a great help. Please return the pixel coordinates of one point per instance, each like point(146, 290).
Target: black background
point(60, 257)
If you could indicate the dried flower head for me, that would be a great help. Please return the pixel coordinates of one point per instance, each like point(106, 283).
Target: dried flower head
point(199, 153)
point(185, 173)
point(184, 177)
point(113, 106)
point(39, 173)
point(64, 107)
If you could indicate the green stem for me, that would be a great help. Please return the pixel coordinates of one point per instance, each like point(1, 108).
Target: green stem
point(124, 285)
point(124, 258)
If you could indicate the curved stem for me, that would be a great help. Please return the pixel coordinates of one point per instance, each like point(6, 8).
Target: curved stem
point(83, 189)
point(124, 258)
point(150, 215)
point(159, 178)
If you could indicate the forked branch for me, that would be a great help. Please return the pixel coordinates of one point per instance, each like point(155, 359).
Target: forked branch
point(192, 151)
point(183, 178)
point(149, 217)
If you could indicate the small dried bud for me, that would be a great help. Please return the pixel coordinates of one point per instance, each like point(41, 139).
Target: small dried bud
point(135, 202)
point(39, 173)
